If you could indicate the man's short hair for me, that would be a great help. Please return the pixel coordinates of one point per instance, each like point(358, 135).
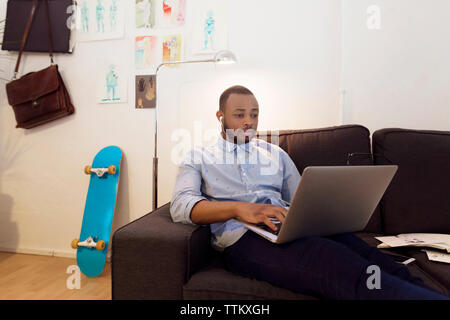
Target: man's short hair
point(234, 89)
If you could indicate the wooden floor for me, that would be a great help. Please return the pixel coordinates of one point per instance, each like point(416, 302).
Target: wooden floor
point(31, 277)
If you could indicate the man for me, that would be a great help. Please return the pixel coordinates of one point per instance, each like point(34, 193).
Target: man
point(231, 180)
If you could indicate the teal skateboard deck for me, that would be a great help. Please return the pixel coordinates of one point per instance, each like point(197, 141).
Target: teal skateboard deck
point(98, 211)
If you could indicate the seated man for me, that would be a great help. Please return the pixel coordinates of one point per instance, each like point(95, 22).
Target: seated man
point(247, 178)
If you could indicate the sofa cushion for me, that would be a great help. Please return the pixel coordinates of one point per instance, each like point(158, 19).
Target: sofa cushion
point(417, 199)
point(215, 283)
point(324, 146)
point(439, 271)
point(152, 257)
point(328, 147)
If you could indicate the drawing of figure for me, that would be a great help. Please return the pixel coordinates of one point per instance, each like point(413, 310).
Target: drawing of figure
point(145, 51)
point(181, 10)
point(167, 8)
point(172, 45)
point(100, 13)
point(147, 13)
point(209, 28)
point(113, 15)
point(150, 93)
point(85, 17)
point(148, 51)
point(139, 55)
point(111, 83)
point(141, 85)
point(140, 105)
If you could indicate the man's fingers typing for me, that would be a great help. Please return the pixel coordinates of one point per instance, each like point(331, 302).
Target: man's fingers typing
point(279, 216)
point(270, 224)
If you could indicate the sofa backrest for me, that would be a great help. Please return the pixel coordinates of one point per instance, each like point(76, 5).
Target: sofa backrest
point(418, 198)
point(328, 147)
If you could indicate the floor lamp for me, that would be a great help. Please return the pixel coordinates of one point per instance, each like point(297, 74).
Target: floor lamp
point(221, 57)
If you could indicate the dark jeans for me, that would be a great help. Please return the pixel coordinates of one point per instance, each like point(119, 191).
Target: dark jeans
point(325, 267)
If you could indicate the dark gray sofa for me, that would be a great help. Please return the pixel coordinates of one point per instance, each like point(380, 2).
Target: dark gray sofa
point(154, 258)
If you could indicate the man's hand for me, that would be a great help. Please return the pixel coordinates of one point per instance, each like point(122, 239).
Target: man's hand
point(207, 212)
point(260, 213)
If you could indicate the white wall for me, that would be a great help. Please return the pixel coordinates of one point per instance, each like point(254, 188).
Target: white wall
point(399, 75)
point(289, 55)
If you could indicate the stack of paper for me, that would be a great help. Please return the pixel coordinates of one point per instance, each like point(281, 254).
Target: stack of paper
point(438, 256)
point(428, 240)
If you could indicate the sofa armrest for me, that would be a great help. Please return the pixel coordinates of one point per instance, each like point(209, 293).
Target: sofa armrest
point(152, 257)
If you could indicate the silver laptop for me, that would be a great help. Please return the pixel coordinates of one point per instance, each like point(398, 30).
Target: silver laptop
point(330, 200)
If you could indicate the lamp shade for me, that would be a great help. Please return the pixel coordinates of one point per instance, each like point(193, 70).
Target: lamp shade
point(225, 57)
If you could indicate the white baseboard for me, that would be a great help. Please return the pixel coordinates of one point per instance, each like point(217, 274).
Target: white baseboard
point(49, 252)
point(42, 252)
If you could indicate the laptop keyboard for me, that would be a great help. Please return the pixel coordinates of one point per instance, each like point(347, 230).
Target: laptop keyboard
point(268, 229)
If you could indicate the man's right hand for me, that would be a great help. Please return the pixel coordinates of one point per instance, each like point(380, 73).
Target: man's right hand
point(207, 212)
point(260, 213)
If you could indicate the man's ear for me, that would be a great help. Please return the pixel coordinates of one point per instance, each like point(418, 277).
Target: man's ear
point(219, 115)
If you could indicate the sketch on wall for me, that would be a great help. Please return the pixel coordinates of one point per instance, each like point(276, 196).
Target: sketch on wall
point(174, 13)
point(111, 82)
point(209, 27)
point(100, 20)
point(145, 51)
point(145, 14)
point(172, 48)
point(145, 91)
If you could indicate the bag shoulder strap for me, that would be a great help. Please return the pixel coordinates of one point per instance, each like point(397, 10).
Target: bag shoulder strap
point(27, 31)
point(49, 33)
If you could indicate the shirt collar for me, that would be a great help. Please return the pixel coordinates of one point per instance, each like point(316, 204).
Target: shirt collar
point(228, 146)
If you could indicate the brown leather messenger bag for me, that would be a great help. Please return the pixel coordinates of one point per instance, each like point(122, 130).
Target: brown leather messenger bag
point(38, 97)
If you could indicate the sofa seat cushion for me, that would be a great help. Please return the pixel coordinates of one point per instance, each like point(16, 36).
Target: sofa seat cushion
point(215, 283)
point(438, 271)
point(435, 275)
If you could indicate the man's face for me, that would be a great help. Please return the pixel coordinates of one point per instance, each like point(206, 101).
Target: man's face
point(240, 118)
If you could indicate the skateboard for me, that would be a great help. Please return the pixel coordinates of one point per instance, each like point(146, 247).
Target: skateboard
point(98, 211)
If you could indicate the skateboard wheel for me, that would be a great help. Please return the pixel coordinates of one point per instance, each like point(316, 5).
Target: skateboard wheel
point(87, 169)
point(75, 243)
point(112, 169)
point(100, 245)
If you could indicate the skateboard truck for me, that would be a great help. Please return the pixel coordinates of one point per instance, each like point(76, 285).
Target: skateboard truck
point(100, 171)
point(89, 243)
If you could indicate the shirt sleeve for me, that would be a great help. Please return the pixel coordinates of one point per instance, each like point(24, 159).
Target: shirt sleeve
point(187, 190)
point(291, 178)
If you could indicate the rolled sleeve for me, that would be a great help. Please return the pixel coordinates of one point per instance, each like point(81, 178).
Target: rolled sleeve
point(187, 191)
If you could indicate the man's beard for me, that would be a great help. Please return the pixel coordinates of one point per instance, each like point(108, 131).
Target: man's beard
point(238, 136)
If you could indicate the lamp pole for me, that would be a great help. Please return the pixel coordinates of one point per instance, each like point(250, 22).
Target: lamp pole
point(221, 57)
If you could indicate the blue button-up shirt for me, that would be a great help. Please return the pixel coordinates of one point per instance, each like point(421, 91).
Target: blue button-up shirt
point(257, 172)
